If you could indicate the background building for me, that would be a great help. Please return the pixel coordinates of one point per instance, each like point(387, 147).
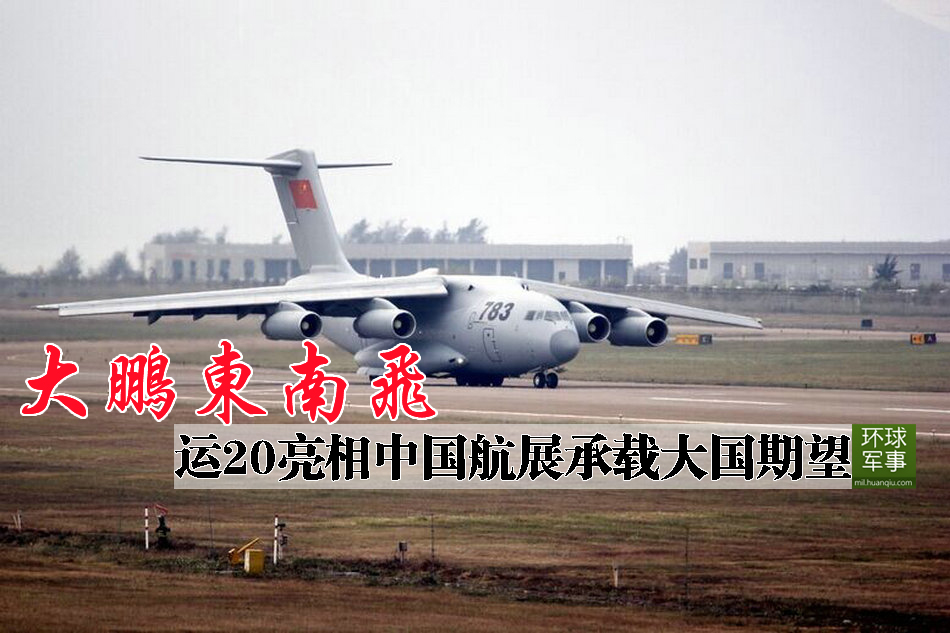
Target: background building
point(785, 264)
point(601, 264)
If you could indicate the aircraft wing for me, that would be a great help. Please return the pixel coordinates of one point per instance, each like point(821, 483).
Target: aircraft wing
point(611, 303)
point(331, 297)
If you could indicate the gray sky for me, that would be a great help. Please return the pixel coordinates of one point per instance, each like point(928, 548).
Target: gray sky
point(553, 121)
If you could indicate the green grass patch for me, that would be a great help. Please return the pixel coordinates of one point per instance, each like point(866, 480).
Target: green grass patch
point(829, 364)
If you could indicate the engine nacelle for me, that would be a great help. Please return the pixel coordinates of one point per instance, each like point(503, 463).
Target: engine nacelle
point(385, 323)
point(591, 327)
point(638, 330)
point(291, 323)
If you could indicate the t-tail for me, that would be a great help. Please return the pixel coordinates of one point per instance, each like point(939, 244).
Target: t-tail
point(296, 176)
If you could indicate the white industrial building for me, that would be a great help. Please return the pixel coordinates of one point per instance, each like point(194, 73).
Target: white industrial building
point(798, 264)
point(600, 264)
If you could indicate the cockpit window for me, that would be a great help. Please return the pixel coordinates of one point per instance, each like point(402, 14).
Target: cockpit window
point(529, 316)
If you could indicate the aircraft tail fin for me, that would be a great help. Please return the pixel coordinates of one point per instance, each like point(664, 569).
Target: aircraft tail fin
point(296, 175)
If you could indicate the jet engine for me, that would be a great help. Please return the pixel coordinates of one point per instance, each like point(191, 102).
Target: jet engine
point(638, 329)
point(290, 322)
point(384, 320)
point(591, 326)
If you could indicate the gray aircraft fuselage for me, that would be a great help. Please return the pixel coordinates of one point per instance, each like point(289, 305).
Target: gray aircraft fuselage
point(480, 329)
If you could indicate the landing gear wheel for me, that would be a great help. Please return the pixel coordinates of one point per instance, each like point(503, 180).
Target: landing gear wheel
point(551, 380)
point(539, 381)
point(497, 380)
point(461, 382)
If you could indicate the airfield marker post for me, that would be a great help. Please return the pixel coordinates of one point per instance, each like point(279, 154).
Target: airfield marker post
point(210, 520)
point(146, 528)
point(616, 570)
point(686, 578)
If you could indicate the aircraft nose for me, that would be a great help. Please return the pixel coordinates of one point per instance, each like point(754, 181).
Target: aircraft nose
point(565, 345)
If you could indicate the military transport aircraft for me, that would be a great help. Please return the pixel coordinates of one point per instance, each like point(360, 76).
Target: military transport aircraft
point(478, 329)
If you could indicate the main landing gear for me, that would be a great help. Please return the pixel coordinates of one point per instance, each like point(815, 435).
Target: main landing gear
point(542, 380)
point(479, 381)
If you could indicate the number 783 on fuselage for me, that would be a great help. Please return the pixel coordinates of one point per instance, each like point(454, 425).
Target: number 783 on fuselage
point(478, 329)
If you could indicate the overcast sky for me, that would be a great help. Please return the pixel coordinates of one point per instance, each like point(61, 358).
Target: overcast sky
point(569, 122)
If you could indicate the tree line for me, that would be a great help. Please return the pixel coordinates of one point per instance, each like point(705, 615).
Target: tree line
point(396, 232)
point(118, 267)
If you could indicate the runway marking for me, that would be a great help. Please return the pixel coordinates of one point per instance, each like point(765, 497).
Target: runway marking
point(759, 403)
point(624, 419)
point(558, 416)
point(907, 410)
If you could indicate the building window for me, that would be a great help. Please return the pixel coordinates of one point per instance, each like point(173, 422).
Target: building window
point(692, 263)
point(512, 267)
point(759, 270)
point(224, 269)
point(727, 270)
point(615, 271)
point(178, 270)
point(946, 272)
point(703, 263)
point(915, 272)
point(459, 266)
point(248, 269)
point(485, 266)
point(193, 270)
point(406, 267)
point(438, 264)
point(359, 265)
point(380, 268)
point(275, 270)
point(209, 271)
point(541, 269)
point(588, 271)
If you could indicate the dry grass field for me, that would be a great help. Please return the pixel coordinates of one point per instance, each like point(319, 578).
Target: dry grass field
point(768, 560)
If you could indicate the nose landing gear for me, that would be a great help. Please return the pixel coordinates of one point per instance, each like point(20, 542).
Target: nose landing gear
point(542, 380)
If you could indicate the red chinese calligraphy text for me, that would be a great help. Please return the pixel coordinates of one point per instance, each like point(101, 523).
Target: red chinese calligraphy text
point(140, 382)
point(311, 389)
point(400, 387)
point(224, 378)
point(57, 370)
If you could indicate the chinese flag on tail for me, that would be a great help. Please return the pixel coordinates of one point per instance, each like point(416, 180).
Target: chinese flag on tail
point(303, 194)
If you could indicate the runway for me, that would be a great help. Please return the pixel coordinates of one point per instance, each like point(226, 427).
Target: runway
point(519, 401)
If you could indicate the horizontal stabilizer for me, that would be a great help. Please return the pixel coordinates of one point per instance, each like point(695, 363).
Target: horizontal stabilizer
point(269, 164)
point(280, 165)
